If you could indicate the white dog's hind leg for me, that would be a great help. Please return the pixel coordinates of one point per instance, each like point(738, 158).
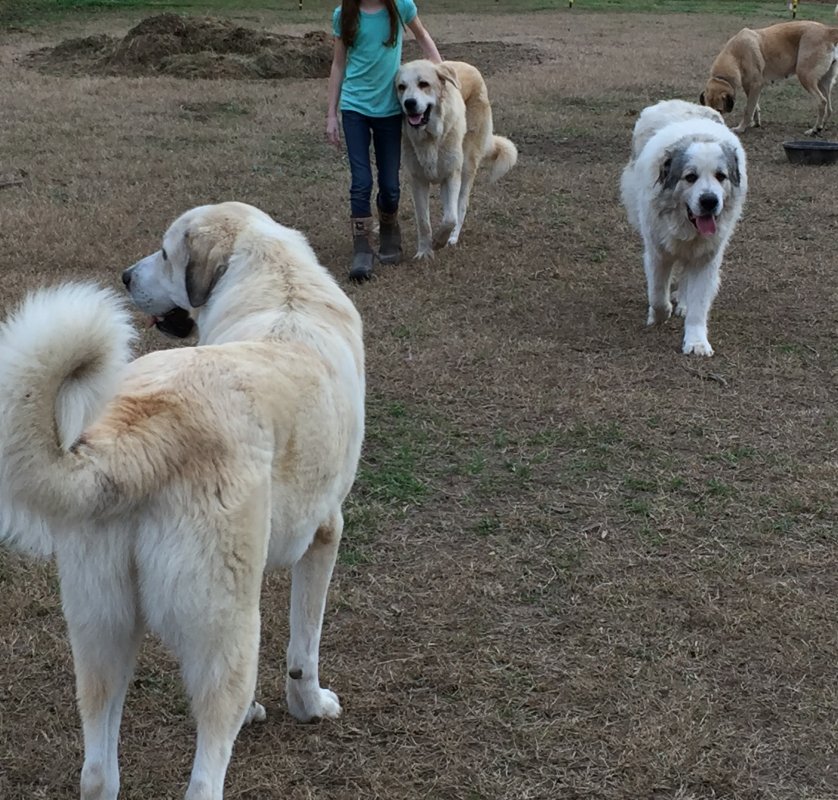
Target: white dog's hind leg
point(103, 623)
point(658, 279)
point(698, 287)
point(219, 669)
point(449, 194)
point(104, 659)
point(310, 578)
point(422, 207)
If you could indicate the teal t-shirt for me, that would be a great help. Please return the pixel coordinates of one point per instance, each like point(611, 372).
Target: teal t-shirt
point(371, 66)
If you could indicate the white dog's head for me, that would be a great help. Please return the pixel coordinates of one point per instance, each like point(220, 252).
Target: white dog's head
point(170, 284)
point(700, 177)
point(420, 86)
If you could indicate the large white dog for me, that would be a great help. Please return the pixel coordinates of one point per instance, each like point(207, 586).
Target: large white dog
point(166, 486)
point(683, 189)
point(448, 133)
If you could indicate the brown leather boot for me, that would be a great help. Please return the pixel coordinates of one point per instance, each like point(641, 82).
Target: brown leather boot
point(389, 238)
point(362, 255)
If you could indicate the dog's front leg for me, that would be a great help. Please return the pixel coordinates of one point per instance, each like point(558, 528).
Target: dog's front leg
point(422, 208)
point(751, 115)
point(310, 578)
point(658, 268)
point(698, 287)
point(450, 195)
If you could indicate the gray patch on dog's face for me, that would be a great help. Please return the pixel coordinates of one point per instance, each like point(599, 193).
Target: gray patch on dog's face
point(732, 160)
point(673, 167)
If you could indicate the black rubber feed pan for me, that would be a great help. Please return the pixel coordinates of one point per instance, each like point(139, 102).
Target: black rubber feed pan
point(811, 152)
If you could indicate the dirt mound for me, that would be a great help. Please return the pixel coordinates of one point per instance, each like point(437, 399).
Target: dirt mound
point(190, 47)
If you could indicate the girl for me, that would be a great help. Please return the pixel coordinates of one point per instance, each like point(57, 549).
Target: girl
point(368, 51)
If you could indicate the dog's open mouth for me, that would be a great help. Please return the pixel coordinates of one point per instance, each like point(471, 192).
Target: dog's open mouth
point(418, 120)
point(704, 224)
point(176, 322)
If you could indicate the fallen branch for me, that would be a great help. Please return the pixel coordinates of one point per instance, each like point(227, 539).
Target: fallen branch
point(707, 376)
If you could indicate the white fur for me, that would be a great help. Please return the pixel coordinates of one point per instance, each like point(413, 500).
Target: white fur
point(166, 486)
point(662, 208)
point(655, 117)
point(62, 354)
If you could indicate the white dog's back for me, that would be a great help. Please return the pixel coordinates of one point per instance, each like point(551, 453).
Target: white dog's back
point(658, 116)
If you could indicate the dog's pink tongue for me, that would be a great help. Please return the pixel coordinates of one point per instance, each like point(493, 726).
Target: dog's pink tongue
point(414, 119)
point(706, 225)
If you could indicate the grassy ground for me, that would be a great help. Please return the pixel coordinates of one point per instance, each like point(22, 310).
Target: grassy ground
point(577, 564)
point(41, 11)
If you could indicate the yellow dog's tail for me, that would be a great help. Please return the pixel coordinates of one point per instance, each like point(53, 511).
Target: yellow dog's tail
point(503, 156)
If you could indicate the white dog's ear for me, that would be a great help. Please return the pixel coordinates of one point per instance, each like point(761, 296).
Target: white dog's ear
point(672, 167)
point(732, 158)
point(446, 73)
point(207, 263)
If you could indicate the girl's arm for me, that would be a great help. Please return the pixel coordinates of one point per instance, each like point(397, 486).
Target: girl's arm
point(423, 38)
point(335, 80)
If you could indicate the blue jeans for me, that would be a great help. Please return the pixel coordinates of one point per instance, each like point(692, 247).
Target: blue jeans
point(386, 136)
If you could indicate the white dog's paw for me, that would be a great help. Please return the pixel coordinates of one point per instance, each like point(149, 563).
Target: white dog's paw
point(680, 310)
point(313, 704)
point(256, 713)
point(659, 314)
point(442, 234)
point(697, 348)
point(813, 132)
point(423, 253)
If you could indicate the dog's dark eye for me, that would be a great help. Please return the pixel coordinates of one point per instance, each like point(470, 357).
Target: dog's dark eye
point(423, 84)
point(721, 177)
point(402, 87)
point(691, 178)
point(163, 252)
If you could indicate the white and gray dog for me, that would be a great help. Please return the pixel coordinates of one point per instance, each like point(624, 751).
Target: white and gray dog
point(683, 190)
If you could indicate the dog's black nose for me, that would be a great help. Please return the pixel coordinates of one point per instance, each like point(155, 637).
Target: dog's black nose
point(410, 104)
point(708, 202)
point(126, 278)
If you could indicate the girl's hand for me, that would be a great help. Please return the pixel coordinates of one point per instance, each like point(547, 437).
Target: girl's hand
point(333, 131)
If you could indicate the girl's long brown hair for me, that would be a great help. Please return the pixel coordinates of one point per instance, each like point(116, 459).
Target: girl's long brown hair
point(350, 11)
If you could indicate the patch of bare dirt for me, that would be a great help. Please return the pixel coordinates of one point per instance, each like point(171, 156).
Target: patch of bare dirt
point(489, 57)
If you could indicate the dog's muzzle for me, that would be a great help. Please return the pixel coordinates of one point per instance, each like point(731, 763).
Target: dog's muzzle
point(413, 119)
point(705, 223)
point(176, 322)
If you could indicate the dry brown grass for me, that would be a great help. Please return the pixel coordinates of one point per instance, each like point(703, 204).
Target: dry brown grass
point(578, 564)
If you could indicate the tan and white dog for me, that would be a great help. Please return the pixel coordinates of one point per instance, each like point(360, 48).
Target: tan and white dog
point(166, 486)
point(447, 135)
point(683, 190)
point(754, 57)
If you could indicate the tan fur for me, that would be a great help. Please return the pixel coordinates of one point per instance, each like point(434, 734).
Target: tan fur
point(754, 57)
point(450, 148)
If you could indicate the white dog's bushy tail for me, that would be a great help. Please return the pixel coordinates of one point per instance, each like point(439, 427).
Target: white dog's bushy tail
point(503, 155)
point(62, 353)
